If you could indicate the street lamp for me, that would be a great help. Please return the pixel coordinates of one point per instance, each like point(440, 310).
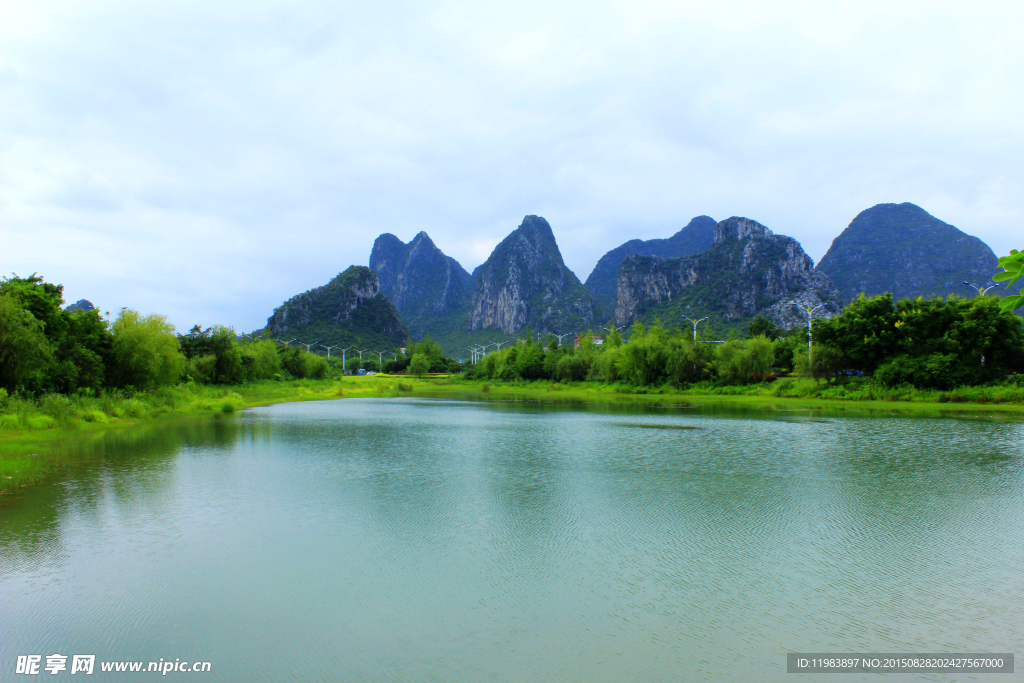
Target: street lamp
point(343, 369)
point(308, 346)
point(981, 290)
point(809, 310)
point(332, 346)
point(695, 323)
point(563, 335)
point(502, 343)
point(286, 343)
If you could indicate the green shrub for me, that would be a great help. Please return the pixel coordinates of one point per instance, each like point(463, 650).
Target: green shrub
point(59, 407)
point(133, 407)
point(39, 421)
point(97, 416)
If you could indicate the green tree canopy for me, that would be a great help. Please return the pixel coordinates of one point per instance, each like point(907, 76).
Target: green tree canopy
point(146, 352)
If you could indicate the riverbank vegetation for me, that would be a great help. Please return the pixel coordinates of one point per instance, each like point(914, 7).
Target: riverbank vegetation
point(64, 371)
point(875, 347)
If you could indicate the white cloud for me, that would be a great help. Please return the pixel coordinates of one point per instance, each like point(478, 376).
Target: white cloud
point(208, 160)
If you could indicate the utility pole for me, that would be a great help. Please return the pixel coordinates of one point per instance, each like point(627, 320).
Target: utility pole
point(809, 310)
point(695, 323)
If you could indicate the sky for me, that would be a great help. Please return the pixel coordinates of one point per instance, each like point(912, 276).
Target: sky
point(208, 160)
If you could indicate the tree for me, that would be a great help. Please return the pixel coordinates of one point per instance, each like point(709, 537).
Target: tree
point(146, 353)
point(761, 326)
point(24, 349)
point(219, 344)
point(744, 360)
point(866, 331)
point(420, 364)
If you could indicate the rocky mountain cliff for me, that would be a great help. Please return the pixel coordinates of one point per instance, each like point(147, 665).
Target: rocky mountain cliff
point(747, 271)
point(524, 283)
point(421, 281)
point(696, 237)
point(901, 248)
point(350, 310)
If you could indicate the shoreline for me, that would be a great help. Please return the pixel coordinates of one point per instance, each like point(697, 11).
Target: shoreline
point(28, 457)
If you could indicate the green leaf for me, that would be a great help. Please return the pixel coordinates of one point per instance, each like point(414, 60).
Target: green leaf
point(1011, 303)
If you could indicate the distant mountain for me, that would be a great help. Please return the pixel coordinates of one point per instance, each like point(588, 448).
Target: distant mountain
point(901, 248)
point(349, 310)
point(747, 271)
point(696, 237)
point(80, 305)
point(524, 282)
point(423, 284)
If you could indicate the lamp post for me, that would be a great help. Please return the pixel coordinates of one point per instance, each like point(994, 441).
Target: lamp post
point(610, 330)
point(563, 335)
point(332, 346)
point(695, 323)
point(981, 290)
point(343, 369)
point(502, 343)
point(286, 343)
point(308, 346)
point(809, 310)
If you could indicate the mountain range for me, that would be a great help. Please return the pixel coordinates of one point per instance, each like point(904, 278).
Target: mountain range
point(696, 237)
point(731, 271)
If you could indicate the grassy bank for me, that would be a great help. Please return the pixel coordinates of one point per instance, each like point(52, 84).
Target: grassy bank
point(31, 430)
point(783, 394)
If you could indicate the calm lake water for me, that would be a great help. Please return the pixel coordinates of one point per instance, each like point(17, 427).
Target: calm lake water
point(422, 540)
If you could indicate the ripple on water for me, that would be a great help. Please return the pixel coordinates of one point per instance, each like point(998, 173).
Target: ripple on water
point(424, 540)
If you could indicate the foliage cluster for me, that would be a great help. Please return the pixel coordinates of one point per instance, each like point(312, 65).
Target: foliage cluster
point(45, 349)
point(931, 344)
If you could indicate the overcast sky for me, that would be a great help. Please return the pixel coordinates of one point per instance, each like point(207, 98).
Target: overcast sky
point(207, 160)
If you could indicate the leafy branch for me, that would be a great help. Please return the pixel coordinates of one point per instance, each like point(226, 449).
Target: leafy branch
point(1013, 269)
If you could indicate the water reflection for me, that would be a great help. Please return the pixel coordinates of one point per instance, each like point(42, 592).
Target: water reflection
point(369, 539)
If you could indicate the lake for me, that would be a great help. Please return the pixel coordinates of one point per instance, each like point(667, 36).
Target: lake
point(433, 540)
